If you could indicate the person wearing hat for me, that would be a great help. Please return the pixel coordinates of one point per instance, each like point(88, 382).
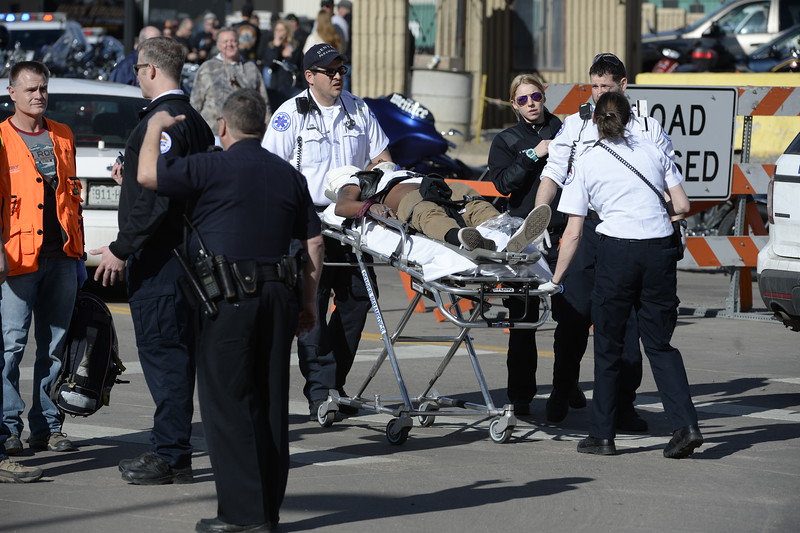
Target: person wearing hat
point(324, 128)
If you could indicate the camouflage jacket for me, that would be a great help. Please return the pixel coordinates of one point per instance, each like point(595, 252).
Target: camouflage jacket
point(216, 80)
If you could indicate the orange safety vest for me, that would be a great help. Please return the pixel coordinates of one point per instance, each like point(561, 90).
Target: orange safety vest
point(24, 205)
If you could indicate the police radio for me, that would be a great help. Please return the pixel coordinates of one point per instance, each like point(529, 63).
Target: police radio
point(303, 105)
point(204, 266)
point(585, 111)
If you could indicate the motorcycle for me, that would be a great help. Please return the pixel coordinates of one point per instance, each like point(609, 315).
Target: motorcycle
point(8, 58)
point(712, 57)
point(709, 54)
point(71, 56)
point(414, 141)
point(669, 61)
point(790, 64)
point(720, 219)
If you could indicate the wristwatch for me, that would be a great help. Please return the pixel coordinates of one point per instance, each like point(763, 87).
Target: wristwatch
point(530, 152)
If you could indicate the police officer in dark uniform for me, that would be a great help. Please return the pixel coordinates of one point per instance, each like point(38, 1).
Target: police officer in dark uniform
point(249, 205)
point(149, 228)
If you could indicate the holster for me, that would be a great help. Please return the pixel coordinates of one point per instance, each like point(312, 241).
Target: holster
point(288, 270)
point(245, 272)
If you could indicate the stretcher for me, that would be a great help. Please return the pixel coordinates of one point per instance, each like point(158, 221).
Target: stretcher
point(446, 275)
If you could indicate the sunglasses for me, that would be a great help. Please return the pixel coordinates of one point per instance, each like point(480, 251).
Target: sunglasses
point(139, 66)
point(536, 97)
point(330, 72)
point(610, 58)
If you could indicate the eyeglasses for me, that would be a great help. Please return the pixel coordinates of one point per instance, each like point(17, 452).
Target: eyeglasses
point(536, 97)
point(139, 66)
point(330, 72)
point(608, 57)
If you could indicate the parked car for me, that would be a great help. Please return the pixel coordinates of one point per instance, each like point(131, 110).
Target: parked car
point(740, 26)
point(770, 57)
point(101, 116)
point(779, 260)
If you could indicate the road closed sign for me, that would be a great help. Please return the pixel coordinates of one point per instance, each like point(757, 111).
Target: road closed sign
point(700, 122)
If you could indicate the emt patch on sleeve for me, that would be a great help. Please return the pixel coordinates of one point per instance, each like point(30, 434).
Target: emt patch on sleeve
point(166, 142)
point(281, 121)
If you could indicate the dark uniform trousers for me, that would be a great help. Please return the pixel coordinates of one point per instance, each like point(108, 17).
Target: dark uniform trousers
point(243, 385)
point(327, 353)
point(161, 321)
point(638, 276)
point(521, 358)
point(572, 311)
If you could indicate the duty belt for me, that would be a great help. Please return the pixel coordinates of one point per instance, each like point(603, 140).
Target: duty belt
point(269, 272)
point(657, 240)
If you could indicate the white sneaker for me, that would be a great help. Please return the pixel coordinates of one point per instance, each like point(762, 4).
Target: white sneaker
point(470, 238)
point(13, 472)
point(534, 225)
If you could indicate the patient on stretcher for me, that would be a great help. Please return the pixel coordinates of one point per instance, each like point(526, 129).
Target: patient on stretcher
point(446, 212)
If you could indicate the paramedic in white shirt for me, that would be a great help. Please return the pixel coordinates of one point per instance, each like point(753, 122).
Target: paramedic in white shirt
point(607, 74)
point(327, 127)
point(625, 178)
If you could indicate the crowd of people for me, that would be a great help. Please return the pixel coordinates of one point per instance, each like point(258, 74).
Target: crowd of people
point(608, 174)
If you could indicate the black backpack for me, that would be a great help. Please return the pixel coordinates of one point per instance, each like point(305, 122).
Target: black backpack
point(90, 363)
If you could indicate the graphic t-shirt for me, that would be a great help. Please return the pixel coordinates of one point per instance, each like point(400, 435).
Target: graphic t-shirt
point(41, 146)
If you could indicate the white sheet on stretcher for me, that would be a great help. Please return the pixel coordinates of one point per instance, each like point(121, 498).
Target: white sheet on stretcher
point(436, 259)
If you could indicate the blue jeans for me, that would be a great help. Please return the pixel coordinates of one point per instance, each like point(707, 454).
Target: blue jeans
point(49, 295)
point(3, 430)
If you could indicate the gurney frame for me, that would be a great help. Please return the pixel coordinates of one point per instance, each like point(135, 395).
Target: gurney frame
point(446, 293)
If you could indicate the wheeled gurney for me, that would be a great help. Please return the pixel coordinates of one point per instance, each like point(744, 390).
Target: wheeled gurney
point(446, 275)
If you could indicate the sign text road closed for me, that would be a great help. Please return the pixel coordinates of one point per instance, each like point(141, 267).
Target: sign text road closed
point(700, 122)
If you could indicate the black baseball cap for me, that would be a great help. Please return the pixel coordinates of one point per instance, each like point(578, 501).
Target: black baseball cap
point(321, 55)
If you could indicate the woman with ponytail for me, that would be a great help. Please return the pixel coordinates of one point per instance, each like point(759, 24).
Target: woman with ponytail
point(635, 188)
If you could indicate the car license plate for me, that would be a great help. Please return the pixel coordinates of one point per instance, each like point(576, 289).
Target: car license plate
point(104, 196)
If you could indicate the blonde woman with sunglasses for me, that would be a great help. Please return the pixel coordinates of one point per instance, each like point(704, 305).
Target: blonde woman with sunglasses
point(516, 159)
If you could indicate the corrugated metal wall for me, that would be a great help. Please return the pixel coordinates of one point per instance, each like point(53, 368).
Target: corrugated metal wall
point(496, 54)
point(592, 26)
point(380, 53)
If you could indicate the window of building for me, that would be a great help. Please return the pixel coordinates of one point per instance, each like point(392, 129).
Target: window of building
point(538, 35)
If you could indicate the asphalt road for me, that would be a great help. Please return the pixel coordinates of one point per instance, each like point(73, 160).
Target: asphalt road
point(451, 477)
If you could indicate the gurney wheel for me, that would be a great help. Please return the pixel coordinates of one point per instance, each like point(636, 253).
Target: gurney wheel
point(427, 420)
point(396, 434)
point(499, 437)
point(325, 418)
